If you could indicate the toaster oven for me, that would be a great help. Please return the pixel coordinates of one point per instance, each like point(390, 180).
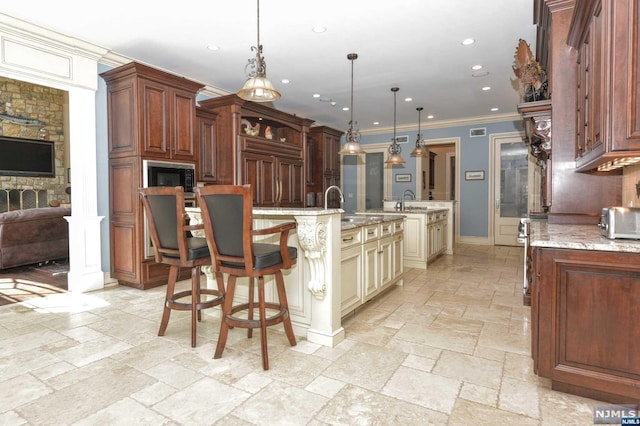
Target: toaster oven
point(620, 222)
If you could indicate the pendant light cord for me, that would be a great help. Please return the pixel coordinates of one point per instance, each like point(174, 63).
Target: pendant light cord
point(258, 24)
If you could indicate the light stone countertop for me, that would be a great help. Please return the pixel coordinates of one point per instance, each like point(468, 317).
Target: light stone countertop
point(364, 219)
point(408, 210)
point(580, 237)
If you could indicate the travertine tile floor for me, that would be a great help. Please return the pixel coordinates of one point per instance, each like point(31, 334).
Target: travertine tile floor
point(450, 347)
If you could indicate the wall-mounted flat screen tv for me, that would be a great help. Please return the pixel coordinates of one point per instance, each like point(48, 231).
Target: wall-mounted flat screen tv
point(27, 157)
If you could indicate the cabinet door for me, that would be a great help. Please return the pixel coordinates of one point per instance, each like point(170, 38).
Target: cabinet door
point(331, 158)
point(370, 269)
point(398, 255)
point(387, 267)
point(350, 278)
point(291, 182)
point(414, 241)
point(259, 172)
point(207, 155)
point(154, 112)
point(182, 120)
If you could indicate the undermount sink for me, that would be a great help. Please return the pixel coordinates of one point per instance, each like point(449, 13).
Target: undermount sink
point(353, 218)
point(360, 218)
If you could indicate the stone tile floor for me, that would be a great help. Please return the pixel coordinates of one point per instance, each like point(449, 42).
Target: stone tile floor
point(450, 347)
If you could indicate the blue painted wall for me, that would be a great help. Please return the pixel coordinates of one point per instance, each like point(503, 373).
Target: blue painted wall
point(474, 155)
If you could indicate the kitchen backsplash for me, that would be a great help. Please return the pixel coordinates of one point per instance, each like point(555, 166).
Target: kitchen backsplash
point(630, 178)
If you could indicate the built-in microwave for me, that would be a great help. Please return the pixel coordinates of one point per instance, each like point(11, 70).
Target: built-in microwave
point(164, 173)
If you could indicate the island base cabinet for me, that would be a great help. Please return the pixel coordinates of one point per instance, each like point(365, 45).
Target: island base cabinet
point(585, 322)
point(351, 278)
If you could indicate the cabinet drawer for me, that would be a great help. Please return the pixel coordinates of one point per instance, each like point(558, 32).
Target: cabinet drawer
point(398, 226)
point(350, 238)
point(386, 228)
point(370, 233)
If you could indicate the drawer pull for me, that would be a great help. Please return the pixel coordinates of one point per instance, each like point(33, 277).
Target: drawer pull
point(371, 232)
point(348, 239)
point(385, 229)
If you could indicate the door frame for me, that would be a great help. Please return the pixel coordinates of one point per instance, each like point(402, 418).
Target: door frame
point(455, 141)
point(494, 140)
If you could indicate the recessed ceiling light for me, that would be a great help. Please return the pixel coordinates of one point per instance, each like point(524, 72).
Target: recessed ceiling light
point(468, 41)
point(480, 74)
point(213, 47)
point(408, 99)
point(319, 29)
point(476, 67)
point(485, 88)
point(316, 95)
point(284, 81)
point(375, 123)
point(430, 116)
point(345, 108)
point(494, 109)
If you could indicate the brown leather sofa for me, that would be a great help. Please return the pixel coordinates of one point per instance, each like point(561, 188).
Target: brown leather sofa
point(33, 236)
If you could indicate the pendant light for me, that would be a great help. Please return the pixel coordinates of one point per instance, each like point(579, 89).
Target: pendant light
point(258, 88)
point(352, 136)
point(395, 156)
point(419, 151)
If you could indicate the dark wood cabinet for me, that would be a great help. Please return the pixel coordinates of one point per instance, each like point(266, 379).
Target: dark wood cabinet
point(261, 146)
point(606, 34)
point(151, 116)
point(325, 162)
point(207, 165)
point(567, 199)
point(585, 329)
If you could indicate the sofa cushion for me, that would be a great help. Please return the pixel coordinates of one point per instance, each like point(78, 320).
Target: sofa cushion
point(33, 235)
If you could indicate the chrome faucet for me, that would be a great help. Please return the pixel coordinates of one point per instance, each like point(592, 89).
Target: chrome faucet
point(326, 193)
point(400, 204)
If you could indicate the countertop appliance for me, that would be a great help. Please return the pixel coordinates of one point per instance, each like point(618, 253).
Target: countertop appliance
point(620, 222)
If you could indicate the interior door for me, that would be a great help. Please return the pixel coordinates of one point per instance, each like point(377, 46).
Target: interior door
point(511, 185)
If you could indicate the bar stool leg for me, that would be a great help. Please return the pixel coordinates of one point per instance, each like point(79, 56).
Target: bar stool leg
point(282, 296)
point(263, 323)
point(171, 285)
point(195, 300)
point(226, 310)
point(251, 306)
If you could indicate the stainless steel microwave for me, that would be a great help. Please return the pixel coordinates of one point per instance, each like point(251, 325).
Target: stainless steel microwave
point(164, 173)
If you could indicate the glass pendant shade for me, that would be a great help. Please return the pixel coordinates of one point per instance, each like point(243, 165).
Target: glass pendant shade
point(395, 152)
point(258, 88)
point(419, 150)
point(352, 136)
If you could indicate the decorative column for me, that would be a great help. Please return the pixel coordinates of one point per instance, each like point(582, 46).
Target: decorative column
point(319, 238)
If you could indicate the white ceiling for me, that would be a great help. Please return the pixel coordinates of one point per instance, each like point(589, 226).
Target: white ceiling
point(412, 44)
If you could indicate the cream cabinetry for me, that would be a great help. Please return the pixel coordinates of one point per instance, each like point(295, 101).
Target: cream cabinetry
point(437, 234)
point(371, 260)
point(426, 237)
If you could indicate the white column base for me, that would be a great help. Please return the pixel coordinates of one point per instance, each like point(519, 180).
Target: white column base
point(85, 273)
point(331, 340)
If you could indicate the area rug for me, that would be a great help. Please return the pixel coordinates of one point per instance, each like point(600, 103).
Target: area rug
point(53, 268)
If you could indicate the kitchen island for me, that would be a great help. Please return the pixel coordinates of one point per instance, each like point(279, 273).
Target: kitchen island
point(313, 285)
point(585, 312)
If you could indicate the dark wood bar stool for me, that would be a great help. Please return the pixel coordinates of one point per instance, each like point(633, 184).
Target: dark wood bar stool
point(228, 222)
point(174, 246)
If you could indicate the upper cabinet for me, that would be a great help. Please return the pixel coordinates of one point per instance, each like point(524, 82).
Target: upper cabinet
point(262, 146)
point(323, 162)
point(606, 34)
point(207, 147)
point(152, 113)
